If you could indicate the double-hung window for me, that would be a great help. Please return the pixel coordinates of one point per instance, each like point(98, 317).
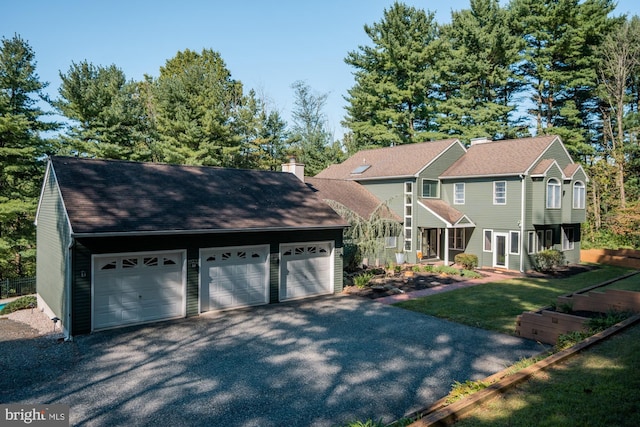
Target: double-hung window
point(567, 239)
point(554, 194)
point(500, 192)
point(458, 193)
point(456, 238)
point(578, 195)
point(430, 188)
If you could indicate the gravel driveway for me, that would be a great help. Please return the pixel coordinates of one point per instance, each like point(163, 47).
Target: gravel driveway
point(319, 362)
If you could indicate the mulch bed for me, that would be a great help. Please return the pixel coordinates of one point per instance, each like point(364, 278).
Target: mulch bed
point(383, 286)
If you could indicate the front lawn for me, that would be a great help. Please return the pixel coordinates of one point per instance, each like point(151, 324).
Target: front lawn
point(495, 305)
point(598, 387)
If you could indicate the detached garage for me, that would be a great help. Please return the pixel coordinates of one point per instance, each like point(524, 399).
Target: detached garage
point(122, 243)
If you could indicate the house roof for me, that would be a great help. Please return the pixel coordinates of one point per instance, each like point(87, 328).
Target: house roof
point(446, 212)
point(398, 161)
point(350, 194)
point(114, 197)
point(500, 158)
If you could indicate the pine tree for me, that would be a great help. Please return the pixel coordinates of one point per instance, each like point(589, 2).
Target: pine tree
point(106, 112)
point(477, 80)
point(22, 153)
point(559, 64)
point(393, 99)
point(195, 99)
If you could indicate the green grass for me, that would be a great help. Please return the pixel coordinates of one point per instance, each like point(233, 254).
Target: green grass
point(495, 305)
point(629, 284)
point(598, 387)
point(19, 304)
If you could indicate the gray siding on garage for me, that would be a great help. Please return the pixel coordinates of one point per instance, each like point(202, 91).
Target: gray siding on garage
point(86, 247)
point(53, 239)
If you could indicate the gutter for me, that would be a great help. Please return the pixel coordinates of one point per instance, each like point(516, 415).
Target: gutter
point(205, 231)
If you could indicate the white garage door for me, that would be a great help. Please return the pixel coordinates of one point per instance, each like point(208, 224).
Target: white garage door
point(306, 269)
point(234, 277)
point(137, 288)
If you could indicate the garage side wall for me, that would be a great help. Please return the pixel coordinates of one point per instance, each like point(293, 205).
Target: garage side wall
point(52, 241)
point(86, 247)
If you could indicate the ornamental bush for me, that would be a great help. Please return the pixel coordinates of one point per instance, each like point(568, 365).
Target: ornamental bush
point(548, 260)
point(467, 261)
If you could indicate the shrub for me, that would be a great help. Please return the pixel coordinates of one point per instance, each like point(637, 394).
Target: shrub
point(351, 256)
point(427, 268)
point(467, 261)
point(362, 280)
point(548, 260)
point(19, 304)
point(416, 268)
point(445, 269)
point(471, 274)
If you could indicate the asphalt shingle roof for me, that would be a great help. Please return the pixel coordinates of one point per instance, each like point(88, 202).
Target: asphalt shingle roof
point(350, 194)
point(400, 160)
point(508, 157)
point(107, 196)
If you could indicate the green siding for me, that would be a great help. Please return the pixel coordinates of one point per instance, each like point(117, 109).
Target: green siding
point(52, 240)
point(86, 247)
point(390, 191)
point(442, 163)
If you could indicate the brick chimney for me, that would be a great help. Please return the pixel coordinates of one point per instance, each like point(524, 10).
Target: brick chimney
point(295, 168)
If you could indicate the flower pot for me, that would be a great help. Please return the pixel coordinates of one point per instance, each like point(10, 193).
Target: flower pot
point(400, 257)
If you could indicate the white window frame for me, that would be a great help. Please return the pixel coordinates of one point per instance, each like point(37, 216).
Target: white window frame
point(568, 244)
point(554, 194)
point(484, 240)
point(456, 199)
point(495, 195)
point(437, 182)
point(512, 250)
point(408, 216)
point(539, 240)
point(579, 191)
point(455, 235)
point(532, 242)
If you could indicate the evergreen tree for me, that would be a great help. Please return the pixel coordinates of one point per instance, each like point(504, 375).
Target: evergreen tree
point(22, 153)
point(311, 140)
point(393, 99)
point(195, 100)
point(107, 114)
point(477, 80)
point(559, 64)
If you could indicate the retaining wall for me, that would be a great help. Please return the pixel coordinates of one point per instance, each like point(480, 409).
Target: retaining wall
point(620, 257)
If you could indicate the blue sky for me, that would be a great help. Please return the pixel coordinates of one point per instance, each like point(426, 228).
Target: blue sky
point(267, 45)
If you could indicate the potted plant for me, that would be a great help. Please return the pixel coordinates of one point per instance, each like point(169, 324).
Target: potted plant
point(399, 257)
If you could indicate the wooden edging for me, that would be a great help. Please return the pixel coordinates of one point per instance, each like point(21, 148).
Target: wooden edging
point(440, 415)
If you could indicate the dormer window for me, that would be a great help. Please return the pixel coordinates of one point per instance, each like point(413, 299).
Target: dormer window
point(554, 194)
point(430, 188)
point(360, 169)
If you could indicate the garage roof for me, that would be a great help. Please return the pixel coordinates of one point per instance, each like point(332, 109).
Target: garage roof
point(115, 197)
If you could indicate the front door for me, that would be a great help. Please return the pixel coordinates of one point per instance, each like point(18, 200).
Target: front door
point(430, 243)
point(500, 250)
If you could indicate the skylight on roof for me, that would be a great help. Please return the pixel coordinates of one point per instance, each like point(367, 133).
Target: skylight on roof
point(360, 169)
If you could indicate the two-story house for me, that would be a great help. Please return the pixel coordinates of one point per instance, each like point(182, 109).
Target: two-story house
point(500, 200)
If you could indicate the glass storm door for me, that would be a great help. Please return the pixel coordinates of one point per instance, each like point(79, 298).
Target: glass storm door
point(430, 243)
point(500, 250)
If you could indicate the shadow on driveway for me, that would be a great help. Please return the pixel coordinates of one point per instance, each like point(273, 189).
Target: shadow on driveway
point(319, 362)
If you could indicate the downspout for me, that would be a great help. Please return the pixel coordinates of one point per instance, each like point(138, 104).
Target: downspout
point(446, 246)
point(69, 276)
point(522, 225)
